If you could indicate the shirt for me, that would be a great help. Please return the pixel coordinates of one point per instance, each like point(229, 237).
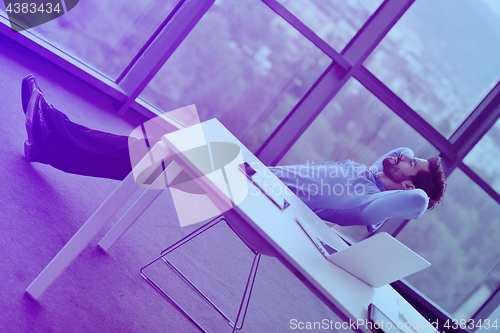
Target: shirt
point(348, 193)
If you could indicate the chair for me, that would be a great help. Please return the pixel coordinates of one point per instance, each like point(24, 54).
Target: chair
point(251, 240)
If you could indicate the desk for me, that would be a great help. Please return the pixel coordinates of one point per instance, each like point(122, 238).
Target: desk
point(346, 295)
point(343, 293)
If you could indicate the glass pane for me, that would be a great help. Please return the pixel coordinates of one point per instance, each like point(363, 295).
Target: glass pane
point(241, 64)
point(355, 125)
point(460, 239)
point(441, 58)
point(106, 34)
point(483, 158)
point(334, 21)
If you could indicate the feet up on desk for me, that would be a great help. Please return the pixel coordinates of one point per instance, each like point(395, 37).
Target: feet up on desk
point(28, 87)
point(36, 125)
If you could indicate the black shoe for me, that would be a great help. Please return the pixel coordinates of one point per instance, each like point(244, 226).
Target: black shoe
point(36, 126)
point(27, 88)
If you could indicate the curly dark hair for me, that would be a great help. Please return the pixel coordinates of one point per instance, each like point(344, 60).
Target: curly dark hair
point(433, 182)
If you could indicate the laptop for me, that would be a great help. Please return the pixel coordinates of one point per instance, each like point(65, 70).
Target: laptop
point(377, 261)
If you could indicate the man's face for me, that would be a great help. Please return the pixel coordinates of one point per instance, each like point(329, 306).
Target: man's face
point(399, 169)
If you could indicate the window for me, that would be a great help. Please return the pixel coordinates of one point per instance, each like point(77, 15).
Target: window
point(107, 34)
point(460, 239)
point(355, 125)
point(484, 158)
point(441, 58)
point(335, 21)
point(242, 64)
point(246, 66)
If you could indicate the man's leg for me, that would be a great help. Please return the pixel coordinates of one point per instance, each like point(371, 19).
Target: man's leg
point(77, 149)
point(73, 148)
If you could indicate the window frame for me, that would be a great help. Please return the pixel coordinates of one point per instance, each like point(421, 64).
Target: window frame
point(347, 64)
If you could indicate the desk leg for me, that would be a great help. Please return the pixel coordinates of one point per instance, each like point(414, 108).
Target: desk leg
point(126, 220)
point(169, 174)
point(83, 237)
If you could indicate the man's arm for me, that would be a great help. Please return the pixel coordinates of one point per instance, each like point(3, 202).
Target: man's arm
point(393, 153)
point(410, 204)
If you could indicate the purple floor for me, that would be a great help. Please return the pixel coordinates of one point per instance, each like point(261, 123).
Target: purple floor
point(41, 208)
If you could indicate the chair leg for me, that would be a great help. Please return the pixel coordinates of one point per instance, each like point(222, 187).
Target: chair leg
point(246, 295)
point(176, 245)
point(172, 301)
point(197, 290)
point(186, 239)
point(248, 291)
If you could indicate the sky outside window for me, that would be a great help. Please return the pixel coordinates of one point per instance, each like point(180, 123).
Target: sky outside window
point(460, 239)
point(355, 125)
point(335, 21)
point(442, 58)
point(484, 158)
point(107, 34)
point(241, 64)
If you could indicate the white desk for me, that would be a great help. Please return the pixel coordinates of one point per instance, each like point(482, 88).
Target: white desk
point(342, 292)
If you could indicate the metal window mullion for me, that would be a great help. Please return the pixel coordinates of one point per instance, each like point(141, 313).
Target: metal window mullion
point(479, 181)
point(307, 32)
point(398, 106)
point(494, 301)
point(374, 30)
point(63, 60)
point(477, 124)
point(302, 115)
point(164, 45)
point(332, 80)
point(149, 41)
point(487, 308)
point(465, 138)
point(425, 306)
point(490, 99)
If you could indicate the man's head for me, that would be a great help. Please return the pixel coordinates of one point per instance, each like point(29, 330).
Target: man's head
point(413, 173)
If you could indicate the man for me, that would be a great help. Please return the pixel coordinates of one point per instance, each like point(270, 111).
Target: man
point(347, 193)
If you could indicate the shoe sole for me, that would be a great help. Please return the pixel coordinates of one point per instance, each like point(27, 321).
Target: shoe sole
point(25, 90)
point(30, 145)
